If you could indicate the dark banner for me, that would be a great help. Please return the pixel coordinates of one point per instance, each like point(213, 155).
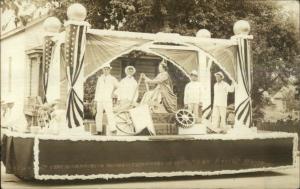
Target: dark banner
point(65, 157)
point(17, 156)
point(115, 157)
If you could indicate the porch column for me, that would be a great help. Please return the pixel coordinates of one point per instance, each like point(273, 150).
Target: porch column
point(243, 102)
point(74, 49)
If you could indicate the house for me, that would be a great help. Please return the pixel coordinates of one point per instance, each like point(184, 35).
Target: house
point(283, 104)
point(21, 58)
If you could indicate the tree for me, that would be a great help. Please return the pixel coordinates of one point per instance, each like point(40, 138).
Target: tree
point(276, 39)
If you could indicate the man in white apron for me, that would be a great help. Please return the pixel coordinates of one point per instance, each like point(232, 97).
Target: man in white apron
point(221, 90)
point(127, 91)
point(106, 85)
point(192, 95)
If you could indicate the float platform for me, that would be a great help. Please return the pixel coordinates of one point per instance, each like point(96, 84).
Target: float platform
point(50, 157)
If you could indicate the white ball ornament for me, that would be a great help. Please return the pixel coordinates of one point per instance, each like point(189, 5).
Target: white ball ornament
point(76, 12)
point(52, 24)
point(204, 33)
point(241, 27)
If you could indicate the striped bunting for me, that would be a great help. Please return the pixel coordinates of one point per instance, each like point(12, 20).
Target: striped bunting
point(74, 55)
point(244, 109)
point(47, 54)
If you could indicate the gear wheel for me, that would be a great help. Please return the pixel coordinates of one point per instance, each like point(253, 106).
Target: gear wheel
point(184, 118)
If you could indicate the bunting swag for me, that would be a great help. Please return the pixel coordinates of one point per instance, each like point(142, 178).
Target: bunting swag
point(74, 55)
point(243, 109)
point(225, 55)
point(103, 49)
point(186, 59)
point(47, 53)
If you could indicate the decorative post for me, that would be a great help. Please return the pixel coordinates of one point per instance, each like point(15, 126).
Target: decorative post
point(204, 77)
point(51, 26)
point(75, 41)
point(243, 103)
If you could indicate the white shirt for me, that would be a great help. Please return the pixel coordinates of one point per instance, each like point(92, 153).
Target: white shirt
point(105, 87)
point(127, 88)
point(221, 92)
point(192, 92)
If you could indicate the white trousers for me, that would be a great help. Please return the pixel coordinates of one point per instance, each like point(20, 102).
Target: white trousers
point(108, 107)
point(219, 117)
point(194, 108)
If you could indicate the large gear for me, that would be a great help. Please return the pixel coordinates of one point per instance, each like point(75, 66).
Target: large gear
point(184, 118)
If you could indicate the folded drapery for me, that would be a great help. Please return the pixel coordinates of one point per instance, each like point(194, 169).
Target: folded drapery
point(103, 49)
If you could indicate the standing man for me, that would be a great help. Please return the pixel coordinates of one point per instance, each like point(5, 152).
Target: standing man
point(221, 90)
point(192, 95)
point(106, 85)
point(127, 91)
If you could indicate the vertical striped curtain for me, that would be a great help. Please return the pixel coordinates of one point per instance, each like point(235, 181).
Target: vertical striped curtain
point(53, 90)
point(75, 43)
point(243, 103)
point(47, 54)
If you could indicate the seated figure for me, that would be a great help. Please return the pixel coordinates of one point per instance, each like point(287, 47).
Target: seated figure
point(162, 95)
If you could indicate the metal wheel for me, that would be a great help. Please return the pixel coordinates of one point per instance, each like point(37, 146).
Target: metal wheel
point(184, 118)
point(124, 123)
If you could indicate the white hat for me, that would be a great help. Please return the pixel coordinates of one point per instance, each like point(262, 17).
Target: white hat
point(105, 66)
point(130, 67)
point(220, 74)
point(194, 72)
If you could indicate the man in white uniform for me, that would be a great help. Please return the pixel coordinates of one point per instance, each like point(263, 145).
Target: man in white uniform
point(106, 85)
point(192, 95)
point(127, 91)
point(221, 90)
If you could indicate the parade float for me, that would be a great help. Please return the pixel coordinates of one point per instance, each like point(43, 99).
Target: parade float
point(149, 143)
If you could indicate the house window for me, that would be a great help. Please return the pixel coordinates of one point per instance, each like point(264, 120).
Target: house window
point(33, 77)
point(30, 77)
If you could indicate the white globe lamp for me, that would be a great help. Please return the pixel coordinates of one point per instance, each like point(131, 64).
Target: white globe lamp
point(52, 24)
point(203, 33)
point(241, 27)
point(76, 12)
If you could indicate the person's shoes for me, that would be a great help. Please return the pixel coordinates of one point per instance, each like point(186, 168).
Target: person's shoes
point(113, 133)
point(97, 133)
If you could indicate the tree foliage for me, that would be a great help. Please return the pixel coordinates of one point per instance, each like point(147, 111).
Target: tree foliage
point(276, 39)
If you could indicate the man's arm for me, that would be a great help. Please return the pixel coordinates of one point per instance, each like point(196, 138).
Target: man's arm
point(185, 98)
point(158, 79)
point(116, 85)
point(201, 89)
point(96, 90)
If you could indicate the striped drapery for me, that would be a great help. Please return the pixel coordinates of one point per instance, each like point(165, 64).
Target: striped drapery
point(75, 42)
point(103, 49)
point(47, 54)
point(243, 103)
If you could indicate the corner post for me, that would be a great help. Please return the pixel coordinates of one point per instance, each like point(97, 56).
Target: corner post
point(51, 26)
point(243, 102)
point(74, 50)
